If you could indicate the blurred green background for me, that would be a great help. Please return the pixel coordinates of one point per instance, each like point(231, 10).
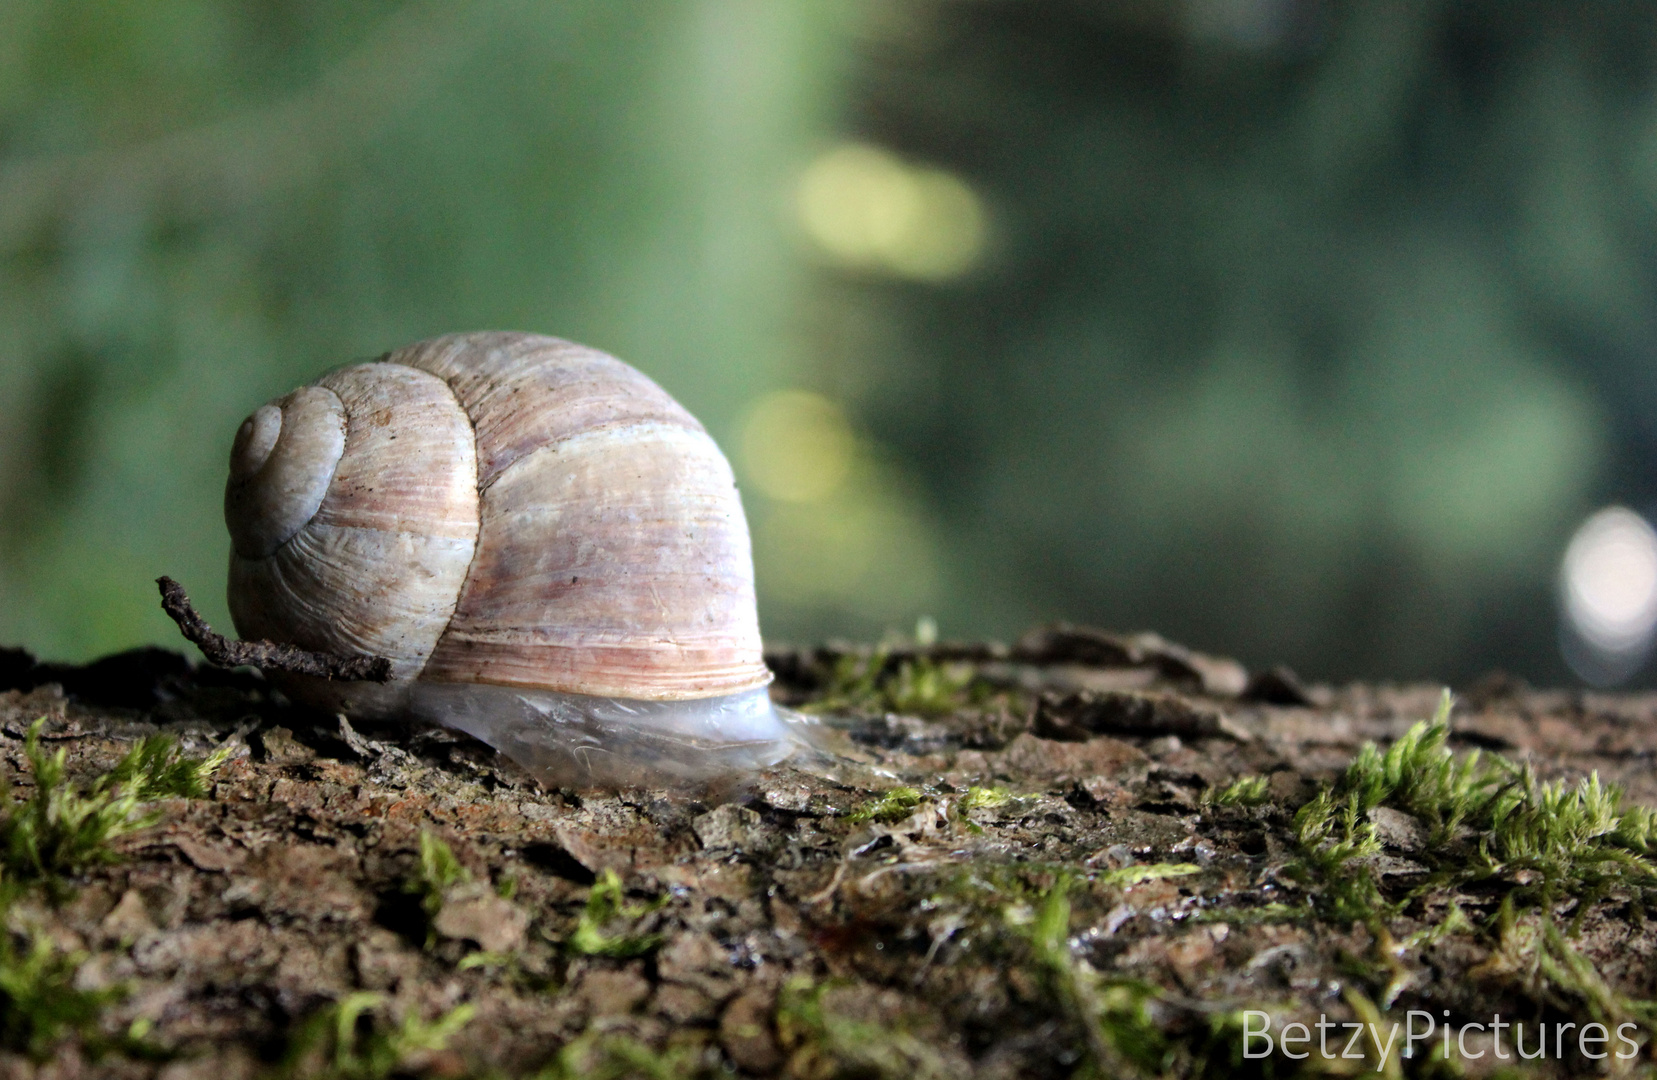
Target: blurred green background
point(1304, 332)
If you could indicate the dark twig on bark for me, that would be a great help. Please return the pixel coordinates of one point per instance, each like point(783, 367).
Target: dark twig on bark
point(268, 655)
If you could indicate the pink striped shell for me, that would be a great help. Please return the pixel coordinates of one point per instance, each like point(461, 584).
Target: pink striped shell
point(495, 508)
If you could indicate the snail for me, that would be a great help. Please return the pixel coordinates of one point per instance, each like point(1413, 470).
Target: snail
point(548, 549)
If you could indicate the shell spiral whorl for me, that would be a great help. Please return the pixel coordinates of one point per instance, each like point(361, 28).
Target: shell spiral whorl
point(280, 468)
point(494, 509)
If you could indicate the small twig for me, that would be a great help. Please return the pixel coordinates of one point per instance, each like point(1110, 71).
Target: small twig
point(267, 655)
point(834, 884)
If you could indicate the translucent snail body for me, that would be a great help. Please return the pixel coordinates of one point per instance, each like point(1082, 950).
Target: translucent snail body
point(549, 549)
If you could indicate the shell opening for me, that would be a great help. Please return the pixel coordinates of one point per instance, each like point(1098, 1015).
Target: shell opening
point(280, 467)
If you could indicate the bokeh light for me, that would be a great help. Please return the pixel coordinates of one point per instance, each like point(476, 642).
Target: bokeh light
point(868, 209)
point(796, 446)
point(1608, 593)
point(867, 558)
point(839, 532)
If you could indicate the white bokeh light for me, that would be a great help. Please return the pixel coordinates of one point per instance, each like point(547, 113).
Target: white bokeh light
point(1608, 592)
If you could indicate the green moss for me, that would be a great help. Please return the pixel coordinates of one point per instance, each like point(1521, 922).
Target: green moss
point(39, 1003)
point(853, 684)
point(1122, 1035)
point(867, 683)
point(1244, 791)
point(353, 1040)
point(1331, 836)
point(438, 871)
point(984, 898)
point(823, 1043)
point(606, 905)
point(989, 896)
point(925, 687)
point(979, 798)
point(1532, 951)
point(62, 828)
point(1121, 1040)
point(487, 961)
point(1490, 823)
point(601, 1055)
point(1578, 839)
point(1419, 775)
point(1134, 875)
point(1453, 921)
point(1258, 914)
point(893, 806)
point(1487, 818)
point(156, 769)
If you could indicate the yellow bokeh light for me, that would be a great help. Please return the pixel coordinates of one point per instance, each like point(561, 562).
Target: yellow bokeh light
point(797, 446)
point(869, 551)
point(868, 209)
point(841, 530)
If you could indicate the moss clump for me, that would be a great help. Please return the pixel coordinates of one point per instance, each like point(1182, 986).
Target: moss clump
point(155, 769)
point(437, 872)
point(822, 1042)
point(1137, 874)
point(1491, 823)
point(1122, 1035)
point(353, 1040)
point(1332, 837)
point(1244, 791)
point(606, 904)
point(922, 686)
point(981, 798)
point(893, 806)
point(62, 828)
point(39, 1002)
point(614, 1055)
point(1487, 818)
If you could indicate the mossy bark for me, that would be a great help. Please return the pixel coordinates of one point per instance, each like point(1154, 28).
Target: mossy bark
point(1074, 882)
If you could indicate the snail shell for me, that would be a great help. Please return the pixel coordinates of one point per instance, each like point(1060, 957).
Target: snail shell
point(549, 549)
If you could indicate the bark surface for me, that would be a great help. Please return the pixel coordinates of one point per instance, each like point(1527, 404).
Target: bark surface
point(1028, 861)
